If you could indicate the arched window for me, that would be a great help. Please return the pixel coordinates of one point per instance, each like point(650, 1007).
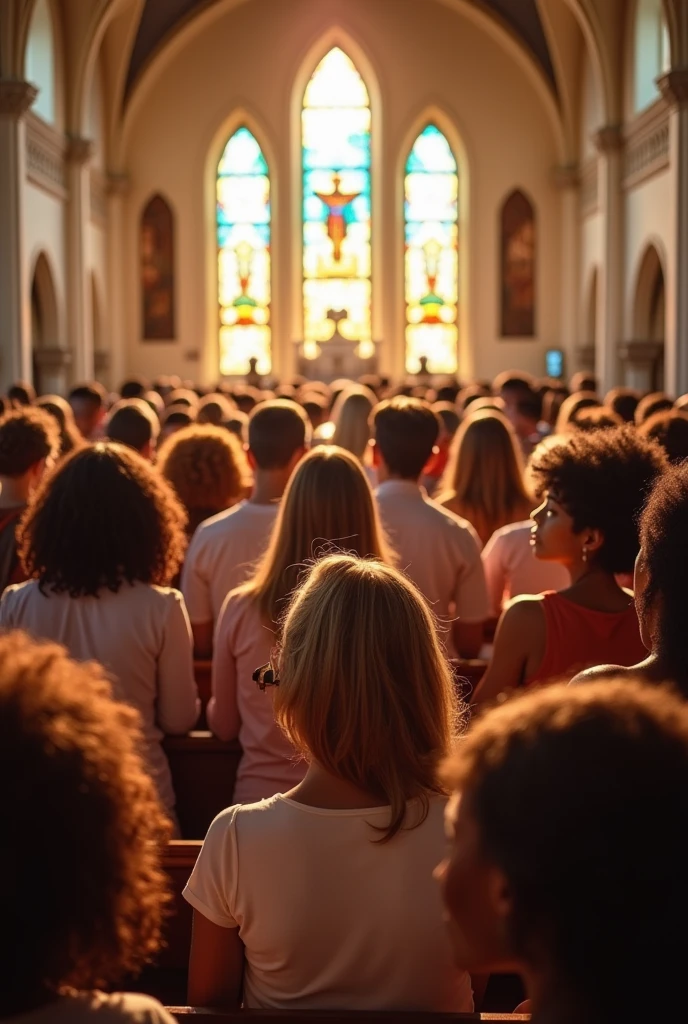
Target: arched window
point(40, 61)
point(336, 121)
point(518, 243)
point(431, 192)
point(243, 262)
point(652, 56)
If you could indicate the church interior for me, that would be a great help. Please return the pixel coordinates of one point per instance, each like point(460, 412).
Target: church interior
point(333, 187)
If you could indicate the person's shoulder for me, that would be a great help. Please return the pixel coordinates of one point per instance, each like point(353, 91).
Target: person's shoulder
point(20, 591)
point(599, 673)
point(119, 1006)
point(220, 523)
point(513, 532)
point(248, 819)
point(525, 608)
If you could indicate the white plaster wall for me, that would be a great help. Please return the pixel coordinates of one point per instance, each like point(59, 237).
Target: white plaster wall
point(45, 232)
point(591, 250)
point(650, 218)
point(248, 57)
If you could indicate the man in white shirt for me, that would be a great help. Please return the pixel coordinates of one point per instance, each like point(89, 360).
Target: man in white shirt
point(225, 548)
point(438, 550)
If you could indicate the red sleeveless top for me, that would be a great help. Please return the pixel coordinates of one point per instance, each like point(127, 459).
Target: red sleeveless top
point(578, 638)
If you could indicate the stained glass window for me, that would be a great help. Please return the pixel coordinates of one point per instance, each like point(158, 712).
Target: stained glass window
point(432, 253)
point(336, 204)
point(243, 262)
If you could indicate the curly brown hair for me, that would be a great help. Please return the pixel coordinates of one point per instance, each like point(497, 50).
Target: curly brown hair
point(602, 479)
point(27, 435)
point(83, 828)
point(104, 517)
point(207, 467)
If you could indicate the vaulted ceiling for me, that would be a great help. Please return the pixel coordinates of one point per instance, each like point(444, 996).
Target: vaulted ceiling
point(162, 17)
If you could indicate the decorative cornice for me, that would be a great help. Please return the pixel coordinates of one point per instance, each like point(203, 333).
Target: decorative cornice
point(98, 192)
point(640, 352)
point(589, 191)
point(16, 97)
point(117, 184)
point(567, 176)
point(674, 86)
point(52, 358)
point(647, 145)
point(608, 138)
point(45, 157)
point(79, 150)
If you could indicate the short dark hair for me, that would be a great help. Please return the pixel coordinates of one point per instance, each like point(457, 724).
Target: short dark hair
point(529, 404)
point(105, 517)
point(596, 417)
point(87, 896)
point(133, 423)
point(215, 408)
point(514, 381)
point(406, 430)
point(650, 404)
point(580, 797)
point(664, 541)
point(178, 416)
point(27, 435)
point(91, 392)
point(624, 402)
point(602, 479)
point(583, 380)
point(276, 431)
point(134, 387)
point(22, 393)
point(670, 428)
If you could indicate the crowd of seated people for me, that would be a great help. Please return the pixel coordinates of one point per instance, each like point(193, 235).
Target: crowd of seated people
point(338, 551)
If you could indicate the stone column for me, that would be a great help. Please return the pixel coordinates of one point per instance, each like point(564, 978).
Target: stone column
point(567, 180)
point(674, 86)
point(609, 143)
point(15, 306)
point(117, 188)
point(79, 313)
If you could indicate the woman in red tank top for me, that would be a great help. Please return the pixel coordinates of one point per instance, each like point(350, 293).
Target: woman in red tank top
point(594, 486)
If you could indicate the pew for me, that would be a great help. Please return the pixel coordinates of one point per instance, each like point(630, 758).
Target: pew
point(203, 775)
point(210, 1016)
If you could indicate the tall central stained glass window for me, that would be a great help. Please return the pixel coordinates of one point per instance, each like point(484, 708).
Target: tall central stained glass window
point(243, 260)
point(432, 253)
point(335, 123)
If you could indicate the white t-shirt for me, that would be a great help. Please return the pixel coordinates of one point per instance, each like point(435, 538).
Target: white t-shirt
point(330, 918)
point(511, 568)
point(97, 1008)
point(438, 550)
point(239, 710)
point(141, 635)
point(221, 556)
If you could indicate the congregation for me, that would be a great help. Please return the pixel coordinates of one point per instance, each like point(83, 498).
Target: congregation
point(445, 628)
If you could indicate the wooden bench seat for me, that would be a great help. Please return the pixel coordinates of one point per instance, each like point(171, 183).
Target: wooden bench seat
point(203, 775)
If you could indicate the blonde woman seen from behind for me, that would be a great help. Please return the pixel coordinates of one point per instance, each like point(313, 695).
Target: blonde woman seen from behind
point(348, 915)
point(327, 501)
point(483, 481)
point(351, 416)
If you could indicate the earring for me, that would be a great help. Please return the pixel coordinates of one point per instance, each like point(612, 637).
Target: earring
point(585, 554)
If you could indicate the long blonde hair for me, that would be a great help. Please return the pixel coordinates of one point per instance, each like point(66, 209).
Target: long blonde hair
point(351, 415)
point(483, 481)
point(328, 500)
point(365, 689)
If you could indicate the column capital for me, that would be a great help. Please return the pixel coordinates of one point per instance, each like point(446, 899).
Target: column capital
point(608, 138)
point(16, 96)
point(53, 358)
point(117, 184)
point(674, 86)
point(566, 176)
point(79, 150)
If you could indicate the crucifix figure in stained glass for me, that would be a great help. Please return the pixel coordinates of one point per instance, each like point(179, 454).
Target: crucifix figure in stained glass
point(336, 121)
